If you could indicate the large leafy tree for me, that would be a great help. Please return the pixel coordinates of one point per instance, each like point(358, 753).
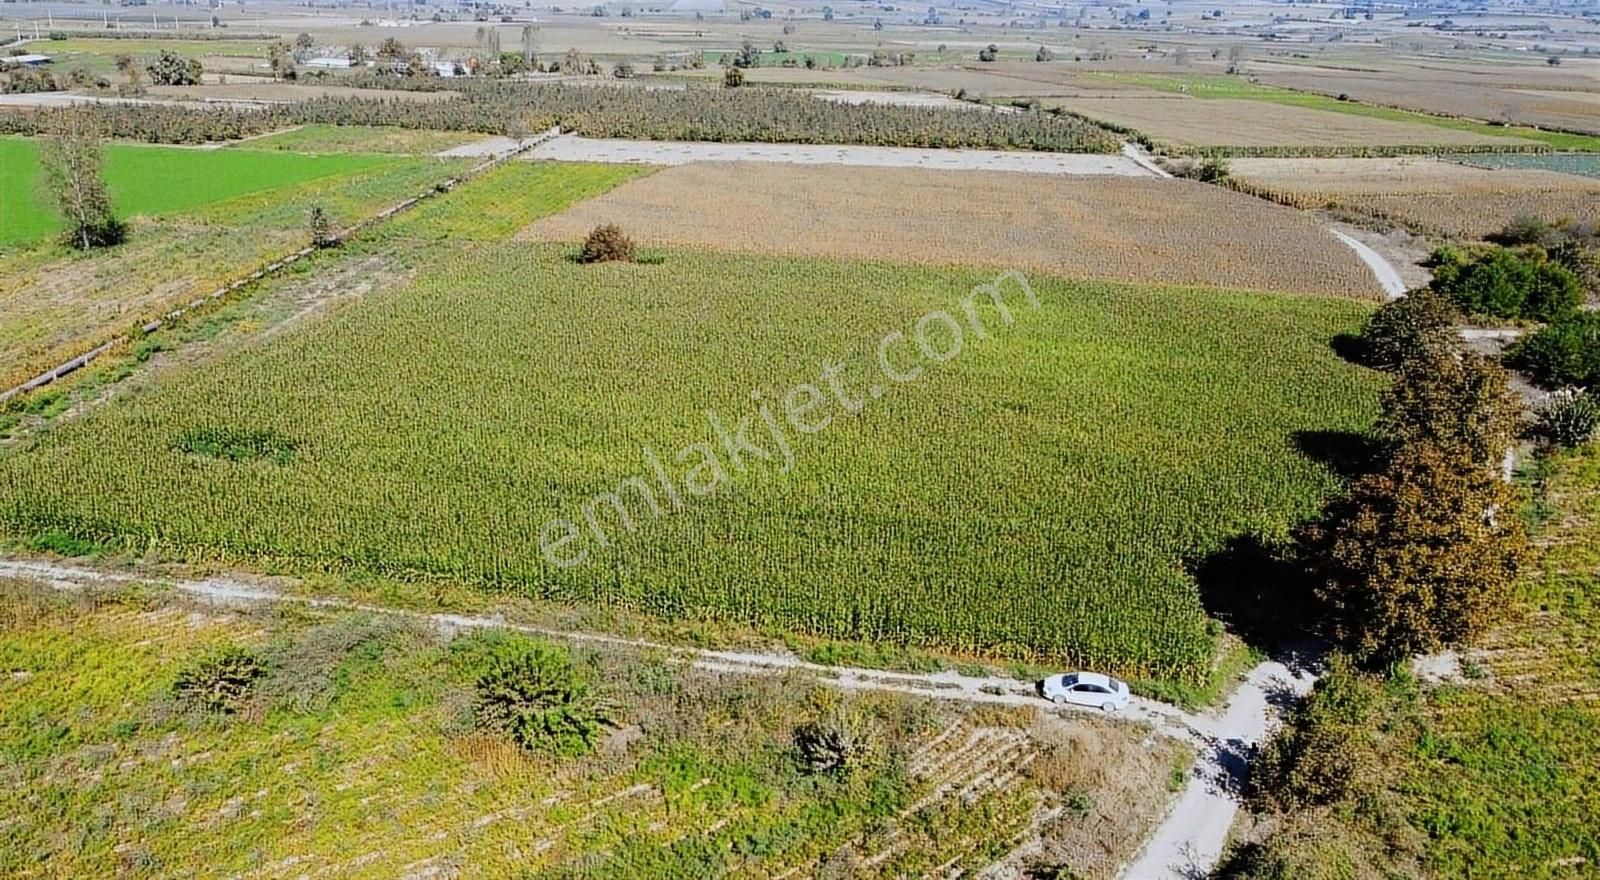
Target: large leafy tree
point(1458, 401)
point(1418, 556)
point(71, 160)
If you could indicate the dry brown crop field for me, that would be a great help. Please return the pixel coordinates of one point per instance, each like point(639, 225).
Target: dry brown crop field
point(1187, 121)
point(1146, 230)
point(1423, 194)
point(1565, 97)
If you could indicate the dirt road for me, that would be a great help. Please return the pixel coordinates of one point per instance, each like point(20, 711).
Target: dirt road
point(1192, 835)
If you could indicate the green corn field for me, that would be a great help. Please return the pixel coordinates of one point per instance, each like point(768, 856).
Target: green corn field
point(1035, 497)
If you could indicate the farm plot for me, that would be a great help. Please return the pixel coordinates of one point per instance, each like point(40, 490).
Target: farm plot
point(359, 139)
point(1176, 122)
point(153, 181)
point(357, 752)
point(1533, 94)
point(218, 214)
point(1124, 229)
point(1425, 195)
point(1036, 498)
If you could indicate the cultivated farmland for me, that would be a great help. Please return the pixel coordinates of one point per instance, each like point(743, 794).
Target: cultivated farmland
point(1036, 498)
point(220, 213)
point(152, 181)
point(1092, 227)
point(1425, 195)
point(1179, 122)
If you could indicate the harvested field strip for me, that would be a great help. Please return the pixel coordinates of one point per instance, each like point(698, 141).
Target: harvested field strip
point(359, 139)
point(1170, 231)
point(1177, 123)
point(1215, 86)
point(1428, 196)
point(1087, 453)
point(571, 148)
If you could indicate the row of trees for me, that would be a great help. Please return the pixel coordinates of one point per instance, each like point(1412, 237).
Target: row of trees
point(1421, 552)
point(698, 114)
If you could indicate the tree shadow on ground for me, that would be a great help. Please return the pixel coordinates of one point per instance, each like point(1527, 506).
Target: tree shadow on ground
point(1258, 590)
point(1347, 453)
point(1350, 347)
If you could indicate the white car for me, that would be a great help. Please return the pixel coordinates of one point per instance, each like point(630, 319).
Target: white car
point(1085, 689)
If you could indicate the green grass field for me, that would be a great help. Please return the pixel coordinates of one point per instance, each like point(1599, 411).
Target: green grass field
point(1035, 498)
point(156, 181)
point(1222, 86)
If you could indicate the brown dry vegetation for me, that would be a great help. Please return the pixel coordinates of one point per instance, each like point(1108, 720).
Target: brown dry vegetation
point(1146, 230)
point(1241, 123)
point(1425, 195)
point(1535, 94)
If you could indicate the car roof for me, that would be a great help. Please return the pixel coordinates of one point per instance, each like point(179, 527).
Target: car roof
point(1094, 678)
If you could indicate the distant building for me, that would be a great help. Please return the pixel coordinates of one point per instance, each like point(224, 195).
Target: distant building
point(330, 63)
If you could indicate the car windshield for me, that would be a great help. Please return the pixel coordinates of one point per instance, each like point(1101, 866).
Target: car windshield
point(1069, 680)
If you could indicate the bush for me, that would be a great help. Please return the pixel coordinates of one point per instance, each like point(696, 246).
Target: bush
point(840, 741)
point(1568, 417)
point(530, 692)
point(1422, 323)
point(1565, 353)
point(1503, 283)
point(607, 243)
point(1325, 752)
point(222, 682)
point(172, 69)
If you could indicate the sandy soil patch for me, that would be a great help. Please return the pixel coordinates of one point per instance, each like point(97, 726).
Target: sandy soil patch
point(1422, 194)
point(1140, 229)
point(571, 148)
point(1230, 123)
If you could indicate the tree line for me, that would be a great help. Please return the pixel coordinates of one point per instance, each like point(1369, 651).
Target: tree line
point(696, 114)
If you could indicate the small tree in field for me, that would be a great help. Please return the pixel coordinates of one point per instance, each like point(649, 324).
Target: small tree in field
point(605, 244)
point(322, 234)
point(71, 159)
point(732, 78)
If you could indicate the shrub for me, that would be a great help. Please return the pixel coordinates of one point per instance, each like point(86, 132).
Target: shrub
point(1568, 417)
point(1567, 352)
point(840, 741)
point(531, 692)
point(172, 69)
point(322, 234)
point(220, 682)
point(1423, 323)
point(1325, 752)
point(607, 243)
point(1502, 283)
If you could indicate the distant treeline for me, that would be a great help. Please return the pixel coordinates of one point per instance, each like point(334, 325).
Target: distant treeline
point(690, 114)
